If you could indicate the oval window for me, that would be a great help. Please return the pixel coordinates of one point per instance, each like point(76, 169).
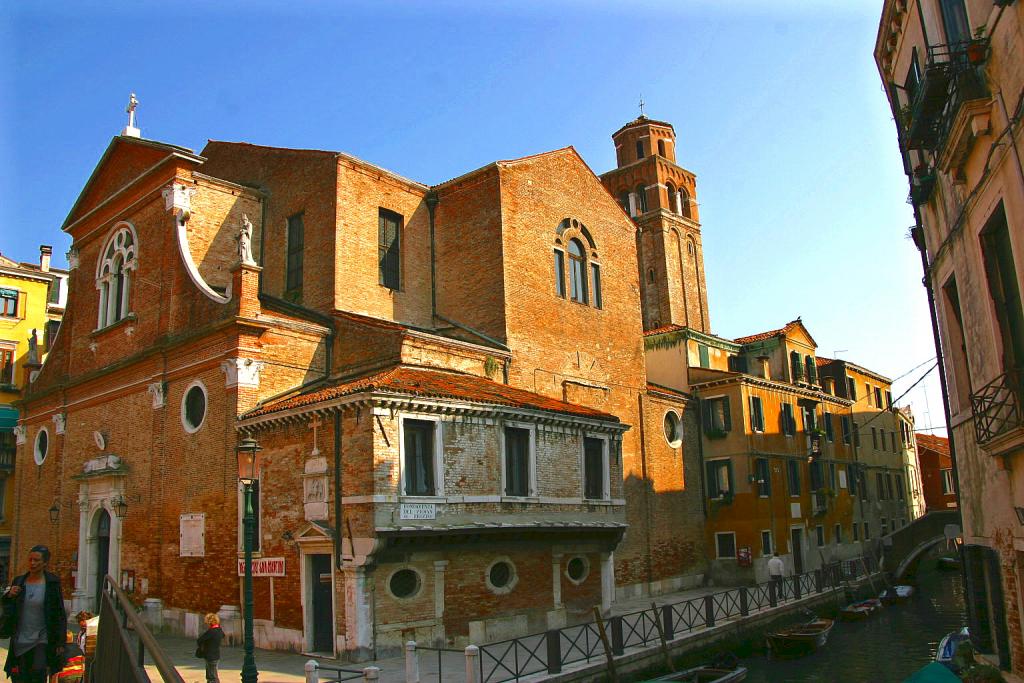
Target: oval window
point(578, 569)
point(673, 429)
point(193, 407)
point(42, 446)
point(501, 576)
point(405, 583)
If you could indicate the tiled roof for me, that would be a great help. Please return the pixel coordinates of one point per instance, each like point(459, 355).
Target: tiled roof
point(672, 327)
point(939, 444)
point(433, 383)
point(641, 120)
point(823, 362)
point(658, 388)
point(761, 336)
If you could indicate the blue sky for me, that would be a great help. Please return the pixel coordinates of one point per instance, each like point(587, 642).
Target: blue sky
point(777, 106)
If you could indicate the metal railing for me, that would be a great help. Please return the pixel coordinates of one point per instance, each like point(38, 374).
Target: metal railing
point(997, 406)
point(951, 77)
point(549, 652)
point(336, 674)
point(123, 641)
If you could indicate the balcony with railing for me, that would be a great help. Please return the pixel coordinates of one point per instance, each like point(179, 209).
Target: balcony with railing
point(953, 75)
point(998, 409)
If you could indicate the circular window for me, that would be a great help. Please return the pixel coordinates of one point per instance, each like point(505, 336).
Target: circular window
point(42, 446)
point(405, 583)
point(673, 429)
point(578, 569)
point(193, 407)
point(501, 576)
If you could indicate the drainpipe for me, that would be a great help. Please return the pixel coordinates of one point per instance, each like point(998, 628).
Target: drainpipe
point(700, 455)
point(337, 489)
point(917, 232)
point(432, 201)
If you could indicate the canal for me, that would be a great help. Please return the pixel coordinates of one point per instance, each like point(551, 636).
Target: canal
point(888, 646)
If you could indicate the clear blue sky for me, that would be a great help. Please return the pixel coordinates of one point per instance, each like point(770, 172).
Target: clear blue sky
point(777, 106)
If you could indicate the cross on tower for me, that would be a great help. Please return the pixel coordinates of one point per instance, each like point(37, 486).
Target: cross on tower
point(314, 424)
point(641, 105)
point(133, 103)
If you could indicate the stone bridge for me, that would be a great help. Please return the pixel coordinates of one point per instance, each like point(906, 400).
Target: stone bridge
point(903, 548)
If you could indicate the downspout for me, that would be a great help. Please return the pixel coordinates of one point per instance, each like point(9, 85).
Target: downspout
point(700, 455)
point(647, 493)
point(432, 201)
point(337, 489)
point(917, 232)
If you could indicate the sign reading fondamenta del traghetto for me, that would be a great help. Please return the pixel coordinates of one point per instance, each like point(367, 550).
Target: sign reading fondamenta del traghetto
point(263, 566)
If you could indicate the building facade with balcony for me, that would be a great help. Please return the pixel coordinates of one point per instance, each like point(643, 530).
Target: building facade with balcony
point(795, 460)
point(954, 74)
point(448, 383)
point(30, 310)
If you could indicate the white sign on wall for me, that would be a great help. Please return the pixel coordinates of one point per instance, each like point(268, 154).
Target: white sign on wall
point(263, 566)
point(192, 534)
point(418, 511)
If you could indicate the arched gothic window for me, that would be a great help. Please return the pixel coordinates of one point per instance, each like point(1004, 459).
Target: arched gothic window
point(684, 201)
point(577, 272)
point(641, 199)
point(114, 275)
point(624, 201)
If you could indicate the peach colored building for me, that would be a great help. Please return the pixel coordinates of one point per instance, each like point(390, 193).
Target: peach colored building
point(953, 71)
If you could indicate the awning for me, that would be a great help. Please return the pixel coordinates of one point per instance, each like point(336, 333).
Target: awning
point(8, 417)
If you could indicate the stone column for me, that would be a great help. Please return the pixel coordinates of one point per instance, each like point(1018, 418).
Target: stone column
point(632, 203)
point(607, 581)
point(358, 613)
point(80, 594)
point(679, 202)
point(556, 580)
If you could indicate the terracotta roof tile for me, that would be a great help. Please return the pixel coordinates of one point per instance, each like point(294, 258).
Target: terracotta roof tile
point(823, 362)
point(663, 329)
point(414, 381)
point(761, 336)
point(939, 444)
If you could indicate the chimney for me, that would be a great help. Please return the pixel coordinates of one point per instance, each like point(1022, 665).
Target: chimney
point(765, 368)
point(45, 250)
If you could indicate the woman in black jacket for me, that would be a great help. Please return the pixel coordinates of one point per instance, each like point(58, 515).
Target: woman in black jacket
point(35, 618)
point(208, 647)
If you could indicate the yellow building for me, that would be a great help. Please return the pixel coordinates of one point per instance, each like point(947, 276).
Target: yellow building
point(802, 454)
point(32, 298)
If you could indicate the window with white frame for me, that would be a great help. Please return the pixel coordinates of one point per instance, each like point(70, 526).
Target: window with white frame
point(114, 274)
point(595, 468)
point(766, 543)
point(819, 534)
point(419, 457)
point(7, 364)
point(8, 302)
point(519, 459)
point(725, 545)
point(719, 478)
point(947, 481)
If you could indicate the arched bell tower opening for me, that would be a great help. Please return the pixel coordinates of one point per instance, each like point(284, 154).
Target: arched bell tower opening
point(660, 197)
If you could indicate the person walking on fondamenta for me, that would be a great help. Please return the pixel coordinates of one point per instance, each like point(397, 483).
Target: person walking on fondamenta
point(35, 621)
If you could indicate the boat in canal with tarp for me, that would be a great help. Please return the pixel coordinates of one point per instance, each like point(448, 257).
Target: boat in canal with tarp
point(706, 674)
point(933, 673)
point(800, 640)
point(860, 610)
point(946, 652)
point(894, 594)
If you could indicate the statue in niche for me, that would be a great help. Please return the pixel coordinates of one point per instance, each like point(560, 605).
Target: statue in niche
point(33, 348)
point(245, 242)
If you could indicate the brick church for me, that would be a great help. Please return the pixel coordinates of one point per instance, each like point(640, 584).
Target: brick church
point(448, 383)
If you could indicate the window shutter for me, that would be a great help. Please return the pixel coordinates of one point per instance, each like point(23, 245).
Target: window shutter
point(707, 416)
point(711, 476)
point(726, 417)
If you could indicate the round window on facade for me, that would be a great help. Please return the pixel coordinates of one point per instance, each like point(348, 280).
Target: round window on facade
point(578, 569)
point(193, 407)
point(42, 446)
point(405, 583)
point(501, 576)
point(673, 429)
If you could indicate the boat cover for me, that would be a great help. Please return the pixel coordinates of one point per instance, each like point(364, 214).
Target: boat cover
point(933, 673)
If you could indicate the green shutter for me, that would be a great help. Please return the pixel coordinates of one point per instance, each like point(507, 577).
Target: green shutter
point(711, 477)
point(726, 417)
point(705, 360)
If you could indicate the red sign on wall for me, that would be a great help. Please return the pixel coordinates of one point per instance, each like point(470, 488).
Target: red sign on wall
point(263, 566)
point(743, 556)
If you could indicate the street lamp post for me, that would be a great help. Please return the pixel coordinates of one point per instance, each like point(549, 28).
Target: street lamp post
point(248, 473)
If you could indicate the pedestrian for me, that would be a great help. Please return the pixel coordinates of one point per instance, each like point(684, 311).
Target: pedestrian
point(35, 620)
point(208, 646)
point(82, 618)
point(775, 571)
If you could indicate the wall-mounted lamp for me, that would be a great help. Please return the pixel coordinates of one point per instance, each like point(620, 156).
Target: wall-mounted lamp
point(54, 513)
point(119, 503)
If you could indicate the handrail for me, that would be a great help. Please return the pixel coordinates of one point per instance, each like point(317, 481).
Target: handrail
point(115, 605)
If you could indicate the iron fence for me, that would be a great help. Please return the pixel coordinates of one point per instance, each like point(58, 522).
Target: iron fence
point(337, 674)
point(510, 660)
point(998, 406)
point(460, 654)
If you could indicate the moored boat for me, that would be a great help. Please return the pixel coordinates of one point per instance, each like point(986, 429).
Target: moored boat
point(896, 594)
point(707, 674)
point(948, 564)
point(801, 639)
point(860, 610)
point(947, 647)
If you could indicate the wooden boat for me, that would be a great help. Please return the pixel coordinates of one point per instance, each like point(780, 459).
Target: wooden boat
point(800, 640)
point(947, 647)
point(860, 610)
point(894, 594)
point(707, 674)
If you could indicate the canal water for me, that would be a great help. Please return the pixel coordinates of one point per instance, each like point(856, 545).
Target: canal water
point(888, 646)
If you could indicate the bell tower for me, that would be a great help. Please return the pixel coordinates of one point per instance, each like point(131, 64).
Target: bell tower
point(660, 196)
